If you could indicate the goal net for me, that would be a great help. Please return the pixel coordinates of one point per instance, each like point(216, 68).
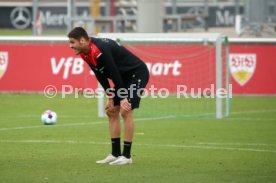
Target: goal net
point(188, 73)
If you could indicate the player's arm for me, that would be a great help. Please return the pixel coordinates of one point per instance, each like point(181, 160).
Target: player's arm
point(115, 75)
point(112, 69)
point(103, 81)
point(105, 84)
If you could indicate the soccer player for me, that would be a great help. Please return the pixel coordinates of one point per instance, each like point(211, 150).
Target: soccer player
point(130, 75)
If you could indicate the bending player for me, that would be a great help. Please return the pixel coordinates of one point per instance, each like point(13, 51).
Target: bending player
point(109, 60)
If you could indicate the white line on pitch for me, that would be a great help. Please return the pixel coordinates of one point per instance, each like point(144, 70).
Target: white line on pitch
point(91, 116)
point(255, 111)
point(251, 119)
point(54, 126)
point(235, 144)
point(210, 147)
point(61, 116)
point(149, 145)
point(54, 142)
point(78, 124)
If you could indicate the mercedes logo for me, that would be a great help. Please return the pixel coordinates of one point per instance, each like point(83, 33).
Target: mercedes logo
point(20, 17)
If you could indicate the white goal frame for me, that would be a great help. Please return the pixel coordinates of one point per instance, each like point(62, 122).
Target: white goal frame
point(189, 38)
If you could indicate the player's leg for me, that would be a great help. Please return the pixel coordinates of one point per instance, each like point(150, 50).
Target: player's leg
point(112, 113)
point(128, 132)
point(136, 85)
point(114, 128)
point(128, 125)
point(128, 137)
point(114, 122)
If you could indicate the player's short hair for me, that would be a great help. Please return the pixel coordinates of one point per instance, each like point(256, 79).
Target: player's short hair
point(78, 33)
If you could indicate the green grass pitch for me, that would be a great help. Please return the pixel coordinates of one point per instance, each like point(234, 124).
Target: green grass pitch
point(241, 148)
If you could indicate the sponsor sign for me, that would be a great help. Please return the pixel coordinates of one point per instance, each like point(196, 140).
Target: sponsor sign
point(20, 16)
point(31, 67)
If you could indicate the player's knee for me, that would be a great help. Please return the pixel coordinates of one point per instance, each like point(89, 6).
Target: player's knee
point(110, 113)
point(113, 112)
point(126, 114)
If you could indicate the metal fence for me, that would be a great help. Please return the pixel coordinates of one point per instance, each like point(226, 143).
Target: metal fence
point(259, 17)
point(59, 16)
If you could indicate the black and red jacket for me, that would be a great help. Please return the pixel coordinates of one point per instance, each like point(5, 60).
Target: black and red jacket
point(109, 60)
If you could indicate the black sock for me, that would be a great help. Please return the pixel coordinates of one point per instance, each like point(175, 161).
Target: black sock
point(127, 148)
point(116, 147)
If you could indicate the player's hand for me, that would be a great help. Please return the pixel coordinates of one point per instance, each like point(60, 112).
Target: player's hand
point(125, 105)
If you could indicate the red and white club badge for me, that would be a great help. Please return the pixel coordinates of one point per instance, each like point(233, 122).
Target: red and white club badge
point(3, 63)
point(242, 67)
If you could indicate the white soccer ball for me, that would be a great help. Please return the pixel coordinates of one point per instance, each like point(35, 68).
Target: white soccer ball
point(49, 117)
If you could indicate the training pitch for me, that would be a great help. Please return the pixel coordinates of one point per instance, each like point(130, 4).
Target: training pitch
point(241, 148)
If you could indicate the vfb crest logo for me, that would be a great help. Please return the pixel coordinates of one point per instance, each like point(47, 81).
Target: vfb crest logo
point(3, 63)
point(242, 67)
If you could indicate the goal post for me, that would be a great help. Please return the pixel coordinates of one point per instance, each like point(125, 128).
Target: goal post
point(189, 74)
